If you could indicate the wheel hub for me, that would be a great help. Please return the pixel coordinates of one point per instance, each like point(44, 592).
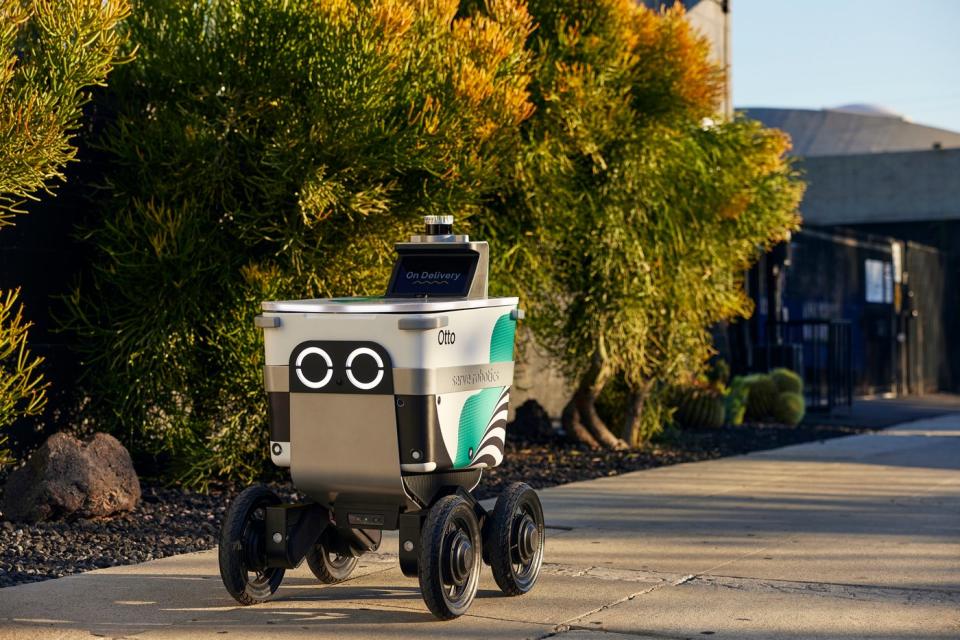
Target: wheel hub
point(460, 560)
point(528, 540)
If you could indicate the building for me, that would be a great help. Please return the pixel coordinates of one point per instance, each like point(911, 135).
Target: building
point(880, 244)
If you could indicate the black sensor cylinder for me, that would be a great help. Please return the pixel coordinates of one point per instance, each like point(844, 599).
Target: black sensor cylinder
point(438, 225)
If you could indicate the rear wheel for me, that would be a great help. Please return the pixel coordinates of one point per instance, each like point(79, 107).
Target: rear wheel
point(449, 562)
point(329, 564)
point(514, 541)
point(242, 551)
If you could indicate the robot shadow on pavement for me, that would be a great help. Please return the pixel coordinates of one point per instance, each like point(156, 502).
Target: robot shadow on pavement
point(386, 410)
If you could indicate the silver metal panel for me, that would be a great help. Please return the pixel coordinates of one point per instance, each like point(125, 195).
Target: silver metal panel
point(423, 382)
point(419, 467)
point(276, 378)
point(384, 305)
point(345, 444)
point(422, 323)
point(449, 238)
point(266, 322)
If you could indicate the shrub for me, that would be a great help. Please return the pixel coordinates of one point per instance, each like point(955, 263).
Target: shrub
point(699, 408)
point(761, 396)
point(51, 53)
point(22, 390)
point(789, 408)
point(639, 206)
point(310, 136)
point(736, 400)
point(787, 380)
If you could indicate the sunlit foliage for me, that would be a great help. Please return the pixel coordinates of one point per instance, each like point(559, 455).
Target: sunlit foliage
point(641, 206)
point(51, 54)
point(275, 149)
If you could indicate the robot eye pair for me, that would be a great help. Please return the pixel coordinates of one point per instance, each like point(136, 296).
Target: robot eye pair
point(323, 366)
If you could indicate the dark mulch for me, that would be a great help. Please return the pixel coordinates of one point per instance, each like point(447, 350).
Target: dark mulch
point(169, 521)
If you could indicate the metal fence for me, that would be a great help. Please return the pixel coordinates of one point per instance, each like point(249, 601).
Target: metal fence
point(821, 351)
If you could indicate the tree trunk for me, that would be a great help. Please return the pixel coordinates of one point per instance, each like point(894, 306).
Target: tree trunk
point(570, 419)
point(580, 418)
point(631, 421)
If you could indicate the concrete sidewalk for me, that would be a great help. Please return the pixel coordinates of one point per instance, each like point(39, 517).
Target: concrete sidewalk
point(852, 538)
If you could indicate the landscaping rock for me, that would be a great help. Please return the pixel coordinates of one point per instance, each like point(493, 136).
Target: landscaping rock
point(67, 478)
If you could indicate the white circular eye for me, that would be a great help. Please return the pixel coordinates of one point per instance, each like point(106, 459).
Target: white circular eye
point(365, 351)
point(326, 357)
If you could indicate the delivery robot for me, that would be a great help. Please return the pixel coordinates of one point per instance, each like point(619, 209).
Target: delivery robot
point(386, 410)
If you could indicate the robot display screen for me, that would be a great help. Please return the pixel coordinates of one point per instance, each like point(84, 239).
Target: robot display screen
point(433, 275)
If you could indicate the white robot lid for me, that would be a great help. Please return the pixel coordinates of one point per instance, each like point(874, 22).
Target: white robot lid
point(385, 305)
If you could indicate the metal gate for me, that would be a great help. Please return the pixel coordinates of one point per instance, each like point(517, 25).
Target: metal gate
point(820, 350)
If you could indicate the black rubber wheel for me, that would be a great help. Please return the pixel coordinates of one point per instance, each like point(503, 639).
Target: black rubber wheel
point(242, 547)
point(329, 565)
point(514, 539)
point(449, 562)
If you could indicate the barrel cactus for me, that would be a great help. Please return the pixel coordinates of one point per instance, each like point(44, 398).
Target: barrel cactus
point(699, 408)
point(761, 397)
point(789, 408)
point(787, 380)
point(735, 402)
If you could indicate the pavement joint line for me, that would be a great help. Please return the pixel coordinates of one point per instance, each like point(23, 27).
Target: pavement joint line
point(741, 557)
point(622, 634)
point(627, 598)
point(874, 587)
point(830, 590)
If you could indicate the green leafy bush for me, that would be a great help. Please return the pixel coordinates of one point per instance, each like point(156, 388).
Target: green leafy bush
point(736, 400)
point(787, 380)
point(761, 396)
point(640, 207)
point(22, 390)
point(789, 408)
point(275, 149)
point(51, 53)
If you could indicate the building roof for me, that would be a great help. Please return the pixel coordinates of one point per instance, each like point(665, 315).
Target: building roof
point(852, 129)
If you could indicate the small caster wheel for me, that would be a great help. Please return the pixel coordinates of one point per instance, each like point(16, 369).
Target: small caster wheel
point(514, 539)
point(328, 562)
point(449, 563)
point(243, 547)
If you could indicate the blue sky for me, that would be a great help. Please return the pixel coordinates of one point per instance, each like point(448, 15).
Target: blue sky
point(900, 54)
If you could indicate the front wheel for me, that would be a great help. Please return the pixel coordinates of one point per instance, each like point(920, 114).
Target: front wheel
point(514, 541)
point(242, 551)
point(449, 562)
point(327, 563)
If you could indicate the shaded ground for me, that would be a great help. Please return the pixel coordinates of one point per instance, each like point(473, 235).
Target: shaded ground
point(879, 413)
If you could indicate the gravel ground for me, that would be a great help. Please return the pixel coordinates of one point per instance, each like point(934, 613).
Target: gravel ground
point(169, 521)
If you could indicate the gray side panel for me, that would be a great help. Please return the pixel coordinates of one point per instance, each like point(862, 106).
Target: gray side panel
point(452, 379)
point(345, 444)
